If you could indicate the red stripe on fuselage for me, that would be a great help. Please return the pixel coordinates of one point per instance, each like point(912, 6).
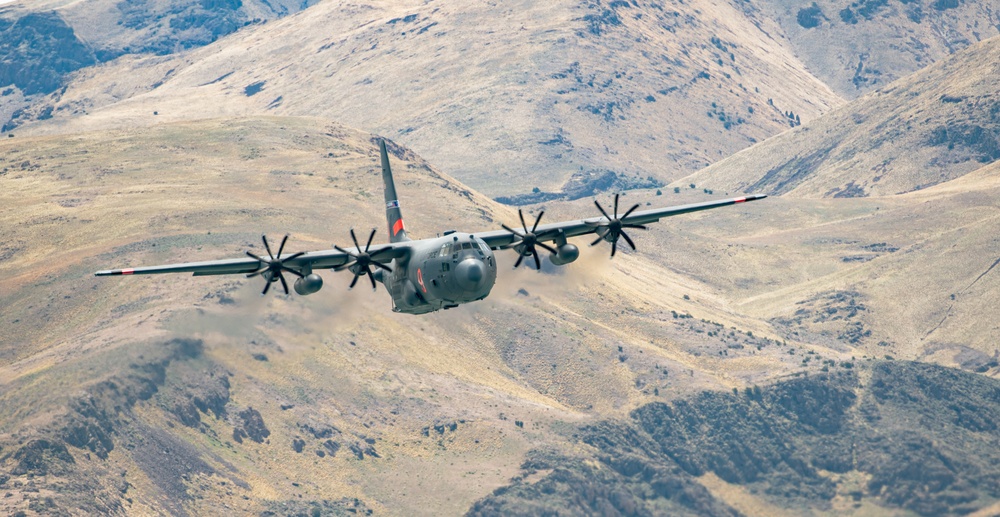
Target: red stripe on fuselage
point(128, 271)
point(740, 200)
point(398, 227)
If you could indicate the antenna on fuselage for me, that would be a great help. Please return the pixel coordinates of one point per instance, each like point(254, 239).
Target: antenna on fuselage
point(397, 232)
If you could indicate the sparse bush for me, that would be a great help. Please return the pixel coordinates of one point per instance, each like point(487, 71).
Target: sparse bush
point(810, 17)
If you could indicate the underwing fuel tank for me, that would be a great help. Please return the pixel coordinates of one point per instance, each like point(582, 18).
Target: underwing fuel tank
point(566, 253)
point(308, 284)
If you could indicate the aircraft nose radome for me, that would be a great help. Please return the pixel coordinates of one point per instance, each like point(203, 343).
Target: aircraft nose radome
point(470, 273)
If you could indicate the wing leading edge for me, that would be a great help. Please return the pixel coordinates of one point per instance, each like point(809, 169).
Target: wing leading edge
point(561, 230)
point(326, 259)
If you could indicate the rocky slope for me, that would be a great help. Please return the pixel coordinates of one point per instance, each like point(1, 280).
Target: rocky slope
point(548, 96)
point(911, 437)
point(44, 43)
point(857, 46)
point(936, 125)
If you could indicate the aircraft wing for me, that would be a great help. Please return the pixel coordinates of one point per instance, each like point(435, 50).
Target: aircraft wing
point(326, 259)
point(550, 232)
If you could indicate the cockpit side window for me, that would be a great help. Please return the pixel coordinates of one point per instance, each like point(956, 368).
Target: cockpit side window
point(466, 245)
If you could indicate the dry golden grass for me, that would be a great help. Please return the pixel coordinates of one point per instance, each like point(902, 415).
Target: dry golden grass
point(477, 87)
point(928, 128)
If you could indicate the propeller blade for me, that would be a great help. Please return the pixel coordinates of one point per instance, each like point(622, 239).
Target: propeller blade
point(372, 278)
point(342, 250)
point(509, 229)
point(292, 271)
point(598, 239)
point(382, 266)
point(355, 239)
point(538, 263)
point(251, 255)
point(345, 266)
point(353, 281)
point(630, 210)
point(283, 283)
point(370, 237)
point(513, 244)
point(614, 247)
point(293, 256)
point(380, 252)
point(629, 241)
point(636, 226)
point(521, 215)
point(616, 206)
point(606, 216)
point(537, 220)
point(519, 259)
point(267, 287)
point(282, 246)
point(267, 247)
point(548, 248)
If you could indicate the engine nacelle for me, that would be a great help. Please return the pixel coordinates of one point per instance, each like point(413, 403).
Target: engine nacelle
point(566, 253)
point(308, 284)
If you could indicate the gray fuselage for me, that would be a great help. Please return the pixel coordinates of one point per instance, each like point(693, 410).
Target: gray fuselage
point(441, 273)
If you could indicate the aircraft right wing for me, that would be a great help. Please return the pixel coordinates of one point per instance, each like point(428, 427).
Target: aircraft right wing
point(609, 227)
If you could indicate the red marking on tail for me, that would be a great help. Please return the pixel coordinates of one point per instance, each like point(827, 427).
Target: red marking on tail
point(398, 227)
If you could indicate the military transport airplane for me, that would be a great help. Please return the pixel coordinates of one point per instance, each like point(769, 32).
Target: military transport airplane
point(431, 274)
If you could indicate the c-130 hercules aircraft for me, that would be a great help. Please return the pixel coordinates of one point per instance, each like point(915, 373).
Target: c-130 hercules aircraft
point(427, 275)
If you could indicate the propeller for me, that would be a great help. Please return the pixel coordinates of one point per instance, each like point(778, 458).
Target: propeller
point(273, 267)
point(614, 227)
point(527, 240)
point(361, 260)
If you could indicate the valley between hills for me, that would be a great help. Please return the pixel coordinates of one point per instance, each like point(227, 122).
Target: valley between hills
point(830, 350)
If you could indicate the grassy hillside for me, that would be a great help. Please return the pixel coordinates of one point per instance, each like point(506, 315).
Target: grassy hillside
point(334, 402)
point(857, 46)
point(933, 126)
point(832, 444)
point(45, 42)
point(506, 97)
point(273, 404)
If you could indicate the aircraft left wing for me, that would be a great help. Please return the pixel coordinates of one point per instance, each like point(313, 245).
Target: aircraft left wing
point(315, 260)
point(272, 266)
point(609, 227)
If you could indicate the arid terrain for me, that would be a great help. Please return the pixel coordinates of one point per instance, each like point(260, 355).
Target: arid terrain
point(830, 350)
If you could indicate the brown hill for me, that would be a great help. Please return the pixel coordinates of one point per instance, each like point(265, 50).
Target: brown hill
point(335, 399)
point(856, 46)
point(508, 97)
point(196, 395)
point(936, 125)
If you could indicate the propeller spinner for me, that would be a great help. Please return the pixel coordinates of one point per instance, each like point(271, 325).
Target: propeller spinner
point(614, 227)
point(360, 261)
point(527, 240)
point(271, 268)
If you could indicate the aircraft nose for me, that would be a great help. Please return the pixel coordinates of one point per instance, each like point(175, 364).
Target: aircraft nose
point(470, 273)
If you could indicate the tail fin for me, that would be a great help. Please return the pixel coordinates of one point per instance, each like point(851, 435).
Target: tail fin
point(397, 233)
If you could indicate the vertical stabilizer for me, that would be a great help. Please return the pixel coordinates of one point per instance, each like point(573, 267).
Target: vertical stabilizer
point(397, 232)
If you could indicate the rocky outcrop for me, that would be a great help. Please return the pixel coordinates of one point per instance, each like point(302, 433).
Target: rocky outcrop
point(924, 436)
